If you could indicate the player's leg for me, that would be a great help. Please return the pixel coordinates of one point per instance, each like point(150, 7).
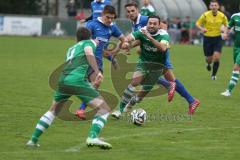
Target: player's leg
point(193, 102)
point(208, 51)
point(113, 60)
point(216, 56)
point(81, 111)
point(98, 123)
point(235, 73)
point(150, 79)
point(128, 93)
point(46, 120)
point(170, 83)
point(216, 63)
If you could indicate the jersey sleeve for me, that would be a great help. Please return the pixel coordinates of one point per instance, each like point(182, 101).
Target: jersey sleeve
point(91, 44)
point(225, 21)
point(116, 32)
point(231, 23)
point(136, 35)
point(165, 39)
point(201, 20)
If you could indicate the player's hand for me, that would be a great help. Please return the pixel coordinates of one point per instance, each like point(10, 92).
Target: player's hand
point(82, 20)
point(224, 36)
point(98, 79)
point(107, 53)
point(146, 33)
point(125, 46)
point(204, 30)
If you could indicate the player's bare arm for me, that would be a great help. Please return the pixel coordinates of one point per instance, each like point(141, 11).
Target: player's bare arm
point(161, 46)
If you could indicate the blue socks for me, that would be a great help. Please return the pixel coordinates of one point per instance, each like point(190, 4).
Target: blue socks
point(109, 58)
point(179, 88)
point(183, 92)
point(83, 106)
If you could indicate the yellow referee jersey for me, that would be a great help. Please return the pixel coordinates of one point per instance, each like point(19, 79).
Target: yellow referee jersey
point(212, 23)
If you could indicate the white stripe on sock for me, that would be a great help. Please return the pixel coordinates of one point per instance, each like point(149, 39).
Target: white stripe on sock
point(98, 122)
point(235, 78)
point(105, 116)
point(232, 82)
point(235, 72)
point(46, 120)
point(40, 127)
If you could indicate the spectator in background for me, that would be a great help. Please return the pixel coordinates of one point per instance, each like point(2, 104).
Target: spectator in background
point(175, 27)
point(185, 31)
point(223, 10)
point(71, 8)
point(147, 9)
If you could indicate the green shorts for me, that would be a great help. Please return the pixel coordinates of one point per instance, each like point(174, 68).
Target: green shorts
point(236, 55)
point(151, 72)
point(83, 90)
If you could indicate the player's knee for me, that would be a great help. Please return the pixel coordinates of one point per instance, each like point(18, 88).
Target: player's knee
point(102, 105)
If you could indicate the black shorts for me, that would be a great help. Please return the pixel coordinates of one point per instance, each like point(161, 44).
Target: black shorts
point(211, 45)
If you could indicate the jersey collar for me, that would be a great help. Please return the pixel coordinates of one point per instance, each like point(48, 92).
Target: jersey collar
point(138, 19)
point(100, 20)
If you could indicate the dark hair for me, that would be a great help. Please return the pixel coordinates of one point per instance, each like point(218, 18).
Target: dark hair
point(83, 34)
point(131, 4)
point(108, 9)
point(154, 16)
point(214, 1)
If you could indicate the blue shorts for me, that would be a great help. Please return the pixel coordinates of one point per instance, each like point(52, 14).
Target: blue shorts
point(211, 45)
point(168, 64)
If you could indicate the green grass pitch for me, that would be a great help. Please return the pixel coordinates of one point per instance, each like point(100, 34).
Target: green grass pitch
point(213, 133)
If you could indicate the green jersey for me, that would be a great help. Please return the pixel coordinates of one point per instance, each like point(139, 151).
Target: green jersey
point(235, 24)
point(76, 62)
point(149, 52)
point(147, 10)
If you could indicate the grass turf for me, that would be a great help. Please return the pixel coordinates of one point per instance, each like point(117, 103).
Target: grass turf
point(212, 133)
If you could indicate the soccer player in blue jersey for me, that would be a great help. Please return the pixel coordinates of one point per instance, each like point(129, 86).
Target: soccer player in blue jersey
point(169, 81)
point(102, 29)
point(97, 7)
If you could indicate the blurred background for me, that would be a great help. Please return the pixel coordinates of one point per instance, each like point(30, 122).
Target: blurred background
point(62, 17)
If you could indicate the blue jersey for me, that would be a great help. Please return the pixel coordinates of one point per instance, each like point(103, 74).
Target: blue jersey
point(141, 22)
point(102, 33)
point(97, 8)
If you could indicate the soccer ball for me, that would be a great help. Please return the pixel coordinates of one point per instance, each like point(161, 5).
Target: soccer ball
point(138, 116)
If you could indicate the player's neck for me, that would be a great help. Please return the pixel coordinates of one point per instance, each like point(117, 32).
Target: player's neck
point(136, 19)
point(214, 13)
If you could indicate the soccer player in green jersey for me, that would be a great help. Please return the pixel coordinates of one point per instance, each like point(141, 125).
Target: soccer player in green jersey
point(73, 81)
point(147, 9)
point(150, 66)
point(235, 24)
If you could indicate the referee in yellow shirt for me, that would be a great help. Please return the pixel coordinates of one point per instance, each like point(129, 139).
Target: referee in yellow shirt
point(210, 24)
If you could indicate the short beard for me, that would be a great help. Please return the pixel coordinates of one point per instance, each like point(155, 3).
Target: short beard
point(152, 33)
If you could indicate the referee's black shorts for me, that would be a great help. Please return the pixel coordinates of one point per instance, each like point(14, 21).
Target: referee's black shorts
point(211, 45)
